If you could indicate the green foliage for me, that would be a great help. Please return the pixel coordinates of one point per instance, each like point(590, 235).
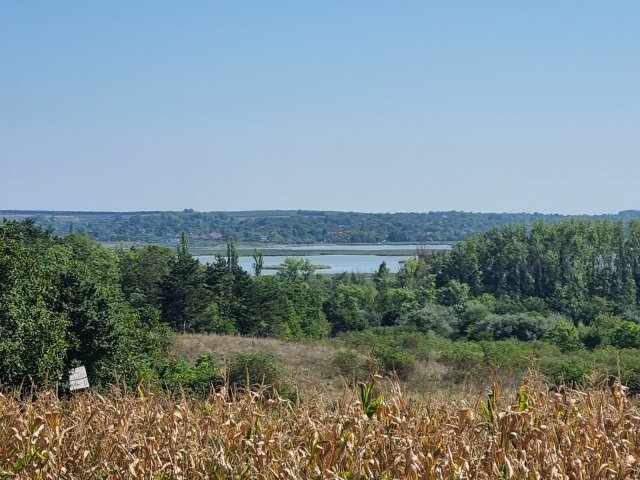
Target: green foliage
point(348, 363)
point(63, 306)
point(463, 359)
point(514, 304)
point(350, 307)
point(253, 370)
point(143, 272)
point(500, 327)
point(396, 360)
point(232, 254)
point(523, 400)
point(487, 300)
point(105, 333)
point(592, 307)
point(295, 226)
point(370, 402)
point(288, 309)
point(229, 292)
point(489, 407)
point(183, 294)
point(416, 275)
point(295, 269)
point(509, 356)
point(211, 321)
point(566, 336)
point(473, 314)
point(198, 379)
point(382, 279)
point(628, 363)
point(434, 318)
point(33, 338)
point(577, 267)
point(453, 293)
point(68, 301)
point(396, 303)
point(625, 335)
point(598, 333)
point(573, 370)
point(258, 262)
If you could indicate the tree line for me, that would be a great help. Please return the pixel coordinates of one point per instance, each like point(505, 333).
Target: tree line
point(285, 226)
point(67, 301)
point(575, 267)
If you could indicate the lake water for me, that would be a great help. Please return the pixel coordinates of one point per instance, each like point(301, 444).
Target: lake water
point(338, 263)
point(360, 248)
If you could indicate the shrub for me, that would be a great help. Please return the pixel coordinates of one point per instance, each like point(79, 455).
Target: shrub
point(474, 312)
point(500, 327)
point(348, 364)
point(510, 355)
point(629, 361)
point(196, 379)
point(434, 318)
point(463, 359)
point(571, 370)
point(626, 335)
point(453, 293)
point(223, 326)
point(598, 333)
point(362, 340)
point(566, 336)
point(393, 359)
point(254, 369)
point(411, 341)
point(593, 337)
point(622, 365)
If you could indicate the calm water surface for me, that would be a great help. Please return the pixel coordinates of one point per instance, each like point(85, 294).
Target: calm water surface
point(338, 263)
point(411, 248)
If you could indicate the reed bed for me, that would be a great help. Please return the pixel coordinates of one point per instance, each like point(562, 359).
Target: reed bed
point(376, 431)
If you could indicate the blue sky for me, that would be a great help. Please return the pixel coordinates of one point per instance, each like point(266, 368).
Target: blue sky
point(333, 105)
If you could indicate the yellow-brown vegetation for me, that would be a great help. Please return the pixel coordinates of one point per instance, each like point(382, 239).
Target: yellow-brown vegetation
point(303, 363)
point(528, 434)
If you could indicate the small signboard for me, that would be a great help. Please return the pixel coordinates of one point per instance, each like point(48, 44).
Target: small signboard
point(78, 379)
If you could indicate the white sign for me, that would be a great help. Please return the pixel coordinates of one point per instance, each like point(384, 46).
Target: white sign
point(78, 379)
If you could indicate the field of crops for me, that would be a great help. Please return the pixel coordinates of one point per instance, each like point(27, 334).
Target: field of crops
point(375, 431)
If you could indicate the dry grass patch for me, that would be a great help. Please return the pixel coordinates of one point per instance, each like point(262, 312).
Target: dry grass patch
point(312, 363)
point(304, 364)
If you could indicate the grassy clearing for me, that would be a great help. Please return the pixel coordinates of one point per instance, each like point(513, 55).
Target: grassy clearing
point(313, 364)
point(531, 434)
point(304, 364)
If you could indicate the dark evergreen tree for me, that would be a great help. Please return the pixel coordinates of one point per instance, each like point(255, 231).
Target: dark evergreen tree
point(184, 295)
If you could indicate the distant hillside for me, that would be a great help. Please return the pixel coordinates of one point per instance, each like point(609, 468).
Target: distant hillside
point(283, 226)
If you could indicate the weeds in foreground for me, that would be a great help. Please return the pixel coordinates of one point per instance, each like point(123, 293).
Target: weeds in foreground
point(532, 433)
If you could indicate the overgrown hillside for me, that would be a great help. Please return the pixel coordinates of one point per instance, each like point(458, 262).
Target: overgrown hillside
point(561, 296)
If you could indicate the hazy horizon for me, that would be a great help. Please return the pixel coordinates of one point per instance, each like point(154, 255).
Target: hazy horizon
point(315, 210)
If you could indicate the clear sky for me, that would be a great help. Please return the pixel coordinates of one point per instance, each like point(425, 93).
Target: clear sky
point(330, 105)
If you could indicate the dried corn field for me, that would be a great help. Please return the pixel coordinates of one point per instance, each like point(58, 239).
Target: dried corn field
point(532, 433)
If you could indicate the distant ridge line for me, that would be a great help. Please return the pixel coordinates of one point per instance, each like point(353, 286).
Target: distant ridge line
point(286, 226)
point(309, 212)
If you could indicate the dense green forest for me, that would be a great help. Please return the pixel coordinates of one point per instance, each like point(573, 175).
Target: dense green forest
point(566, 293)
point(282, 226)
